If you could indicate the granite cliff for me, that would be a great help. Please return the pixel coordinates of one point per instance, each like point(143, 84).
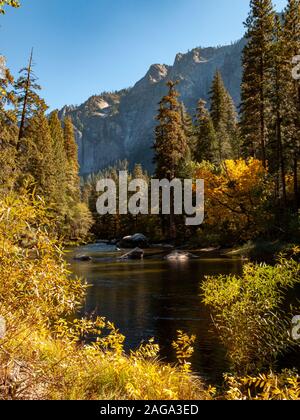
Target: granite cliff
point(120, 125)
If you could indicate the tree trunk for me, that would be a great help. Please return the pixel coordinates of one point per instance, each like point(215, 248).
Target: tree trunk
point(296, 186)
point(262, 117)
point(281, 159)
point(26, 92)
point(173, 231)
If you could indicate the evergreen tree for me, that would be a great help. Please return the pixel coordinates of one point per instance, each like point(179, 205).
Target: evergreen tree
point(224, 118)
point(8, 133)
point(78, 219)
point(37, 157)
point(276, 145)
point(205, 135)
point(188, 127)
point(291, 43)
point(171, 145)
point(72, 165)
point(256, 78)
point(232, 127)
point(59, 161)
point(140, 221)
point(189, 131)
point(29, 102)
point(139, 173)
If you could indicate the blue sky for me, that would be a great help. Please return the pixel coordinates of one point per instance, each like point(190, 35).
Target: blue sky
point(83, 47)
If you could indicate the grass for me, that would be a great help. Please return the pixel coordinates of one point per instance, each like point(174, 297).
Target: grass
point(38, 366)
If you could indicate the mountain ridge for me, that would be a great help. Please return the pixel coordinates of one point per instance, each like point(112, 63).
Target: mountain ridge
point(120, 125)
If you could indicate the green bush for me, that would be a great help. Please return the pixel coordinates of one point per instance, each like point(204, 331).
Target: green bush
point(250, 315)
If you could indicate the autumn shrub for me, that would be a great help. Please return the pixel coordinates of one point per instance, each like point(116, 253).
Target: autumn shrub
point(44, 351)
point(250, 313)
point(34, 277)
point(79, 222)
point(237, 198)
point(267, 387)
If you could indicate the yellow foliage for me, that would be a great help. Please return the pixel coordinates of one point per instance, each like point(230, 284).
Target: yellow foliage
point(184, 350)
point(236, 196)
point(285, 386)
point(43, 351)
point(47, 354)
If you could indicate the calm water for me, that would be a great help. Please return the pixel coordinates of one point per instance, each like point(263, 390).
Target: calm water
point(155, 298)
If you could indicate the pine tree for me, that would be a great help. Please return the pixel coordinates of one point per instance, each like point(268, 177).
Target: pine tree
point(189, 131)
point(139, 173)
point(276, 145)
point(78, 219)
point(224, 118)
point(205, 135)
point(72, 165)
point(171, 146)
point(188, 127)
point(37, 163)
point(291, 42)
point(256, 78)
point(29, 102)
point(232, 127)
point(8, 132)
point(59, 162)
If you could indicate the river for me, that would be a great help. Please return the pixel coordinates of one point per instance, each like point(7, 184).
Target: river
point(155, 298)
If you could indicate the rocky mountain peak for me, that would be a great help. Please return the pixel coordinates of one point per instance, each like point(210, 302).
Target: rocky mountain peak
point(155, 74)
point(120, 125)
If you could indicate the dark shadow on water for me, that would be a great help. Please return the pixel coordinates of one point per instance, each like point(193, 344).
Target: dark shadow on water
point(156, 298)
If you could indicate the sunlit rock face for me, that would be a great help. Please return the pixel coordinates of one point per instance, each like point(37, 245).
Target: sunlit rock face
point(120, 125)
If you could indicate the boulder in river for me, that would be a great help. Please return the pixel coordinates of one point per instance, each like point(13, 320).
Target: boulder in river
point(180, 256)
point(135, 241)
point(82, 258)
point(135, 254)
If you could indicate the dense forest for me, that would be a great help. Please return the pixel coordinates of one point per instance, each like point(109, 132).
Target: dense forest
point(249, 160)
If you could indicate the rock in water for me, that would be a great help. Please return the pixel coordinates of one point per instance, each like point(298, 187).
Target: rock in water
point(179, 256)
point(135, 254)
point(135, 241)
point(82, 258)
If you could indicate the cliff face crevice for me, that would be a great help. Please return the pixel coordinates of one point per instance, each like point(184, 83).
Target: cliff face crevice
point(120, 125)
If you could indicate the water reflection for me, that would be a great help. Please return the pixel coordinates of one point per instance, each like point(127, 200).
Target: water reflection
point(156, 298)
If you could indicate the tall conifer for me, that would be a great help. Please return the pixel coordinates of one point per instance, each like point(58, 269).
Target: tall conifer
point(276, 147)
point(72, 166)
point(224, 118)
point(38, 157)
point(205, 135)
point(29, 102)
point(291, 43)
point(8, 132)
point(59, 161)
point(257, 65)
point(171, 145)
